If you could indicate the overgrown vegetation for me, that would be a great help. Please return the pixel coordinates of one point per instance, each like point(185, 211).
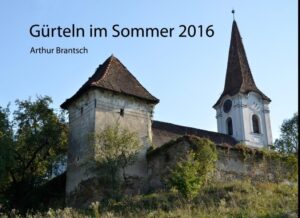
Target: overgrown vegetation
point(191, 173)
point(33, 145)
point(217, 200)
point(284, 165)
point(115, 149)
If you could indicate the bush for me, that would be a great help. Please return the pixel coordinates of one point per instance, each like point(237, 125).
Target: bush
point(191, 173)
point(115, 149)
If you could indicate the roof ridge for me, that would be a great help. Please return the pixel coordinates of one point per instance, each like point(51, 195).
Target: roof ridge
point(113, 76)
point(163, 132)
point(191, 128)
point(131, 75)
point(108, 67)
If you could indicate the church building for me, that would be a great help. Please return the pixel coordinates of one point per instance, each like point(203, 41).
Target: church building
point(112, 94)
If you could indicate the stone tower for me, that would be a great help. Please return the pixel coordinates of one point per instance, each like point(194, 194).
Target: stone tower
point(242, 109)
point(111, 95)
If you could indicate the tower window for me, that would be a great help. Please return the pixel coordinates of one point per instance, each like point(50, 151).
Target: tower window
point(122, 112)
point(255, 123)
point(229, 126)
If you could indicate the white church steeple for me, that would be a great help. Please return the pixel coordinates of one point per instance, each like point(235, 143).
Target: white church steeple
point(242, 109)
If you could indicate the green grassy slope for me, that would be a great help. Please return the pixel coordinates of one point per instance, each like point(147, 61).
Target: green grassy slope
point(232, 199)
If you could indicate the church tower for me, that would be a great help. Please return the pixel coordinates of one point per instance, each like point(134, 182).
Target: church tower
point(242, 109)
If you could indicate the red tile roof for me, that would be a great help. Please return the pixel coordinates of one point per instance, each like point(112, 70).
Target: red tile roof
point(113, 76)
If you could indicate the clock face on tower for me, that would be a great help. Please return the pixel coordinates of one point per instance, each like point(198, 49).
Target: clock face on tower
point(227, 106)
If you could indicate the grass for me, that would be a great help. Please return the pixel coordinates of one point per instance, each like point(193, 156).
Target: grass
point(231, 199)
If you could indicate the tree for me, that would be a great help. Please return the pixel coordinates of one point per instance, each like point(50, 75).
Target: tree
point(6, 141)
point(116, 148)
point(35, 143)
point(192, 172)
point(288, 140)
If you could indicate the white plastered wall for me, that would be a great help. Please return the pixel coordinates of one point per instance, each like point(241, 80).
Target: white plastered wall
point(242, 110)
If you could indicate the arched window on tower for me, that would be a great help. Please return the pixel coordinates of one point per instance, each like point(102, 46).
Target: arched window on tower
point(255, 124)
point(229, 126)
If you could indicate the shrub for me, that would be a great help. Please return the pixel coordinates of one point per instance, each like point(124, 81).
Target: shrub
point(191, 173)
point(115, 149)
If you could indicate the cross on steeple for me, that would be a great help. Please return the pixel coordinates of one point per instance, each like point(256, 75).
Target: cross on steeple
point(233, 11)
point(239, 78)
point(242, 109)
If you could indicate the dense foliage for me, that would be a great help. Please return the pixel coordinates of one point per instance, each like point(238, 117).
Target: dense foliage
point(116, 148)
point(191, 173)
point(288, 140)
point(32, 149)
point(6, 142)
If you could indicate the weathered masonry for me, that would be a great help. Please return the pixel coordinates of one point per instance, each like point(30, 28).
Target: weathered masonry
point(234, 162)
point(111, 95)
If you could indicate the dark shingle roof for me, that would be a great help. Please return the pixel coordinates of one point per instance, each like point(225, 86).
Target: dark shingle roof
point(239, 78)
point(165, 132)
point(112, 75)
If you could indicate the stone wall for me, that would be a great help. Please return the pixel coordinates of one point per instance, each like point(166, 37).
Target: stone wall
point(233, 163)
point(90, 114)
point(136, 117)
point(81, 124)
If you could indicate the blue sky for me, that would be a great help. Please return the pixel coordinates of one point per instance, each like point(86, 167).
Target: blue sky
point(186, 74)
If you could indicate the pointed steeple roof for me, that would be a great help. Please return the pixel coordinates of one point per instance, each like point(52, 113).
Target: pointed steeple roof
point(239, 78)
point(113, 76)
